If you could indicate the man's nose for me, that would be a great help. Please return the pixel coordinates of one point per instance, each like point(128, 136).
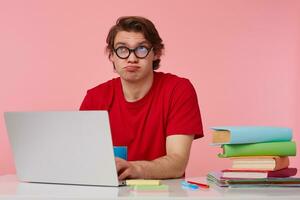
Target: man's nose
point(132, 57)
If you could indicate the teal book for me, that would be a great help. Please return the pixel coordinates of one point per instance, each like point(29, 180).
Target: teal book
point(259, 149)
point(249, 134)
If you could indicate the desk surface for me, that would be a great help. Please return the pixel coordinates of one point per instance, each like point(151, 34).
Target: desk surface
point(11, 188)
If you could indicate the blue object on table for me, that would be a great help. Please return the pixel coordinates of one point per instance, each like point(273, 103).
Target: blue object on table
point(121, 152)
point(187, 185)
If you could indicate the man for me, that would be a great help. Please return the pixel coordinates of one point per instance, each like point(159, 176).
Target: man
point(156, 115)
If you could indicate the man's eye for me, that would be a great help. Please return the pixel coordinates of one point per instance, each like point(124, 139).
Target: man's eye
point(122, 49)
point(142, 48)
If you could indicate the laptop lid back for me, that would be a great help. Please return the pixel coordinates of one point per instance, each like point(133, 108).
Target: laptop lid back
point(72, 147)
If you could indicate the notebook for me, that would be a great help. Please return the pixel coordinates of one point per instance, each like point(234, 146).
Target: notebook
point(69, 147)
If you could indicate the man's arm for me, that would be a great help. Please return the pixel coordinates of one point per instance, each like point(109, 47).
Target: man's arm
point(170, 166)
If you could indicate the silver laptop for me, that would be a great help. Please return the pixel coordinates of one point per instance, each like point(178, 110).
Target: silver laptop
point(62, 147)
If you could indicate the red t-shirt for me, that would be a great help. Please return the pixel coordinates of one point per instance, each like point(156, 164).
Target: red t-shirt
point(169, 108)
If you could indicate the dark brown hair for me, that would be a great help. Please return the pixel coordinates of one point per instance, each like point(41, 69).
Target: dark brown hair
point(140, 25)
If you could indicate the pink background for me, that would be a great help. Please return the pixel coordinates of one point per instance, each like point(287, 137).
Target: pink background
point(242, 57)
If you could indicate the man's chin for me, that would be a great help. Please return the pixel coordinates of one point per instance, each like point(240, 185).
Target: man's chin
point(134, 77)
point(131, 77)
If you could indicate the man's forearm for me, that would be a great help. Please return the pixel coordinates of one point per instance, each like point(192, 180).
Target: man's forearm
point(169, 166)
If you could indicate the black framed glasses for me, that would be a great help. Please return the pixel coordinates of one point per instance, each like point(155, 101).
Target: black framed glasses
point(124, 52)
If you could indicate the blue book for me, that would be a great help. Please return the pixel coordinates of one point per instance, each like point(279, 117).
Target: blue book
point(249, 134)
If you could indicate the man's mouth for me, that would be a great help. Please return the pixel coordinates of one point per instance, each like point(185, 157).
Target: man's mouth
point(131, 68)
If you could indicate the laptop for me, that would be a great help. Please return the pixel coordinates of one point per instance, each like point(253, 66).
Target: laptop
point(72, 147)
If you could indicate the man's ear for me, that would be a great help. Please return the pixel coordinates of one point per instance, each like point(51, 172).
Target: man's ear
point(110, 57)
point(156, 56)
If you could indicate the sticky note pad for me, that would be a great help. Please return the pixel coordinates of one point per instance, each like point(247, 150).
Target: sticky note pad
point(134, 182)
point(150, 187)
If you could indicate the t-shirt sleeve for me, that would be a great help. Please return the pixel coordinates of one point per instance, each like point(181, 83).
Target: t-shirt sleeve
point(86, 103)
point(98, 98)
point(184, 113)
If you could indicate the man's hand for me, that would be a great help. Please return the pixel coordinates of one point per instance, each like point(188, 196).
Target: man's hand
point(128, 169)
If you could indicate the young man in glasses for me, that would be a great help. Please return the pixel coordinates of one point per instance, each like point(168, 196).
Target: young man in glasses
point(156, 115)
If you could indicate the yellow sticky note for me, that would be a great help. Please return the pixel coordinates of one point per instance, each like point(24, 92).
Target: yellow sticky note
point(142, 182)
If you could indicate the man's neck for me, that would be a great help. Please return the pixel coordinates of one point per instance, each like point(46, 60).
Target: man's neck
point(134, 91)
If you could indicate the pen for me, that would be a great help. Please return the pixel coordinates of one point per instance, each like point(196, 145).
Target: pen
point(199, 184)
point(187, 185)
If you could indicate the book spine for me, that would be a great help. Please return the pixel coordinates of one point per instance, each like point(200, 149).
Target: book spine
point(256, 134)
point(259, 137)
point(259, 149)
point(281, 162)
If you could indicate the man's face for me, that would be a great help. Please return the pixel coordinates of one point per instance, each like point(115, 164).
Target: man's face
point(133, 69)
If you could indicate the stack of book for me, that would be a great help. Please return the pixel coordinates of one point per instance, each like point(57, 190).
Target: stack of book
point(259, 155)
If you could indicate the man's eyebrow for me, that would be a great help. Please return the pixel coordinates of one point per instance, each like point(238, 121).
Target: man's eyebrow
point(140, 43)
point(120, 43)
point(144, 42)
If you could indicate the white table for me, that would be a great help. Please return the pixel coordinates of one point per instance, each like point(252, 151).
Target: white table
point(11, 188)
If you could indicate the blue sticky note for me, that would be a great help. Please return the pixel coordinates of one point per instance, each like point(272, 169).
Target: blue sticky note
point(121, 152)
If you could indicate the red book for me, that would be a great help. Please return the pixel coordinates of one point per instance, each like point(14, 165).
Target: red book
point(232, 173)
